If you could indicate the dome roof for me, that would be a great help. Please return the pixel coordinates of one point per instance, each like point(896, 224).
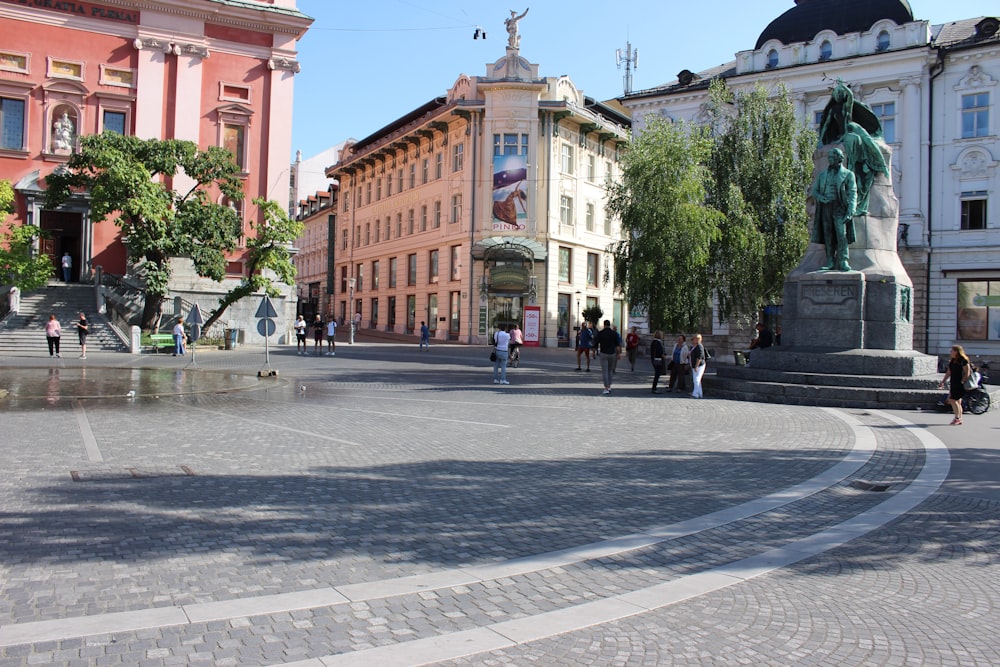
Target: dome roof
point(802, 22)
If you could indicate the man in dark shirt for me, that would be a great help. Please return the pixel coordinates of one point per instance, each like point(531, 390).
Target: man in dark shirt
point(609, 347)
point(764, 337)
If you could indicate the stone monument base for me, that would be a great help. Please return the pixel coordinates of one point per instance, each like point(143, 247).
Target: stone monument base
point(886, 363)
point(848, 310)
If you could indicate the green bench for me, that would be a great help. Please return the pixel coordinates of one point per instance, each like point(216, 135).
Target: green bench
point(161, 340)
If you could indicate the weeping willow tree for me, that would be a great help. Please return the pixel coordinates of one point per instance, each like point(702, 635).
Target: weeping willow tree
point(761, 169)
point(663, 260)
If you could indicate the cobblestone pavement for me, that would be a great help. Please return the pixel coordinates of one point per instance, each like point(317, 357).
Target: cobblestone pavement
point(389, 506)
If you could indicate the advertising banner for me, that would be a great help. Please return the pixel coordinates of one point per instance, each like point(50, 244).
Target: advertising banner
point(532, 326)
point(510, 201)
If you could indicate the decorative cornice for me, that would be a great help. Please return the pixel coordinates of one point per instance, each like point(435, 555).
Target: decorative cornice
point(284, 63)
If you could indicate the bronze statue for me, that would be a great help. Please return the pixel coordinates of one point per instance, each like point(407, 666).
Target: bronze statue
point(855, 125)
point(836, 195)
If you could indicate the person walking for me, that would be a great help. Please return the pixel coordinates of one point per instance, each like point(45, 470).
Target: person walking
point(632, 346)
point(14, 300)
point(959, 369)
point(82, 330)
point(331, 333)
point(300, 335)
point(609, 348)
point(179, 338)
point(680, 364)
point(425, 336)
point(52, 334)
point(584, 341)
point(657, 357)
point(699, 358)
point(67, 266)
point(501, 345)
point(318, 330)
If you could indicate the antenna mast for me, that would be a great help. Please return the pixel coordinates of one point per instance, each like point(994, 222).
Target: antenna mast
point(631, 59)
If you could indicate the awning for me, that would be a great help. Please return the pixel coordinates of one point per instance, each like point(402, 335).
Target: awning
point(498, 246)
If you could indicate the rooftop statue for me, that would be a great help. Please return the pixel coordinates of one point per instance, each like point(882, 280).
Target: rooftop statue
point(514, 39)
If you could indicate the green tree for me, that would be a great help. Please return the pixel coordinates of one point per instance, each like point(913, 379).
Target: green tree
point(593, 314)
point(662, 261)
point(761, 170)
point(132, 180)
point(268, 252)
point(20, 264)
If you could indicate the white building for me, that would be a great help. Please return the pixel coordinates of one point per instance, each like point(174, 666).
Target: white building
point(935, 90)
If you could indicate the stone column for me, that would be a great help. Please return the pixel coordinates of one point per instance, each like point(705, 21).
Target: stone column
point(911, 114)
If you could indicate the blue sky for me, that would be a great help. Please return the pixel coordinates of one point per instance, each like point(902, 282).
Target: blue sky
point(364, 64)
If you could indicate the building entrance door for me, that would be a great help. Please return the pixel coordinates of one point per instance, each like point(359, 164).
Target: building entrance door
point(65, 231)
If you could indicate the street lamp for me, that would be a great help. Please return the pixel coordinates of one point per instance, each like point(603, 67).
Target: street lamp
point(350, 284)
point(578, 311)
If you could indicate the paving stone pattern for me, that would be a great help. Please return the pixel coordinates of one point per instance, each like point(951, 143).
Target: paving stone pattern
point(385, 467)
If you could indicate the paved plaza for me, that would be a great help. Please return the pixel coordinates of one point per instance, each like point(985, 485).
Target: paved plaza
point(393, 507)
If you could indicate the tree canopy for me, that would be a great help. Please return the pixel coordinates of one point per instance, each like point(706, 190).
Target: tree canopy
point(662, 260)
point(713, 209)
point(20, 264)
point(268, 253)
point(133, 181)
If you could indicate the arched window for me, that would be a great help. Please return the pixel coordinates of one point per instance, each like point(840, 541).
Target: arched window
point(825, 50)
point(882, 43)
point(772, 59)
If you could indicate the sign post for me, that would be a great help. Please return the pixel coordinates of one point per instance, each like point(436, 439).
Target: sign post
point(266, 328)
point(195, 320)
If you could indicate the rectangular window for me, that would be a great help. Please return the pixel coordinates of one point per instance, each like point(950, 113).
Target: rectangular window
point(343, 279)
point(566, 159)
point(373, 319)
point(357, 236)
point(392, 313)
point(425, 171)
point(438, 165)
point(388, 184)
point(368, 192)
point(456, 208)
point(378, 189)
point(566, 210)
point(375, 274)
point(378, 231)
point(565, 265)
point(432, 311)
point(591, 168)
point(368, 233)
point(399, 180)
point(343, 240)
point(609, 171)
point(437, 214)
point(508, 144)
point(113, 121)
point(432, 269)
point(234, 141)
point(411, 269)
point(411, 313)
point(590, 217)
point(360, 273)
point(458, 157)
point(974, 210)
point(423, 218)
point(887, 115)
point(975, 115)
point(399, 225)
point(11, 124)
point(413, 175)
point(393, 264)
point(456, 266)
point(607, 225)
point(978, 310)
point(410, 218)
point(593, 268)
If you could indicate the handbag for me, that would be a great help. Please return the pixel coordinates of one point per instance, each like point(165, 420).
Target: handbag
point(493, 355)
point(973, 381)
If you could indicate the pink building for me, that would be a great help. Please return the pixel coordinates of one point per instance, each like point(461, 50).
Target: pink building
point(215, 72)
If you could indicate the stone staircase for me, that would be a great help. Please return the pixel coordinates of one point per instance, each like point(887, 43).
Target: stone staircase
point(25, 332)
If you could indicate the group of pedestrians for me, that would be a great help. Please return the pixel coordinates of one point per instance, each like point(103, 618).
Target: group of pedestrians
point(53, 335)
point(682, 361)
point(320, 330)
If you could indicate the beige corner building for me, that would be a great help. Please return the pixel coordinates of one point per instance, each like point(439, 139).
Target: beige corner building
point(484, 206)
